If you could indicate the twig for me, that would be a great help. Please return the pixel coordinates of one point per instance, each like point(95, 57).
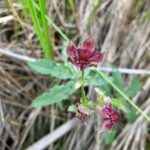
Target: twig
point(1, 113)
point(29, 123)
point(126, 71)
point(14, 54)
point(4, 20)
point(52, 137)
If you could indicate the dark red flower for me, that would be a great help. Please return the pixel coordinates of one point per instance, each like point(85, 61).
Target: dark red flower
point(110, 116)
point(84, 56)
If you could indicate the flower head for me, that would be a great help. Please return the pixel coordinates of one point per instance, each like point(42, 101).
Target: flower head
point(84, 56)
point(110, 116)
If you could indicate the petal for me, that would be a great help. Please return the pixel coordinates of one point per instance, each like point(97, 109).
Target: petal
point(102, 130)
point(107, 124)
point(109, 107)
point(71, 60)
point(84, 54)
point(88, 44)
point(96, 57)
point(104, 112)
point(115, 117)
point(71, 48)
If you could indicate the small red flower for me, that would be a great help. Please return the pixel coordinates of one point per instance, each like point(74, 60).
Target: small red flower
point(84, 56)
point(110, 116)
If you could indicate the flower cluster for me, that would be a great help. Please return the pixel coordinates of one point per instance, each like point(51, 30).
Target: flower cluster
point(109, 115)
point(84, 57)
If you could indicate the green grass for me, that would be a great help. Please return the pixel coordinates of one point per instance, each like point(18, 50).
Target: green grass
point(44, 22)
point(146, 16)
point(51, 22)
point(92, 13)
point(41, 23)
point(40, 27)
point(137, 6)
point(71, 3)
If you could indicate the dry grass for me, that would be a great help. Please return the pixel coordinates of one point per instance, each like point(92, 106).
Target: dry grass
point(123, 36)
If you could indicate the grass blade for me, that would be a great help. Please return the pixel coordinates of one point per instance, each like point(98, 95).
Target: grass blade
point(36, 24)
point(92, 13)
point(53, 24)
point(71, 3)
point(48, 51)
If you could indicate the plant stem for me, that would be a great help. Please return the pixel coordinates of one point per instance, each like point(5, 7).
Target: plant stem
point(124, 95)
point(83, 92)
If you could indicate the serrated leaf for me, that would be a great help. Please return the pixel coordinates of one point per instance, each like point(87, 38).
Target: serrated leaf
point(91, 78)
point(55, 94)
point(109, 136)
point(106, 89)
point(117, 78)
point(119, 104)
point(52, 68)
point(134, 87)
point(64, 53)
point(94, 81)
point(72, 108)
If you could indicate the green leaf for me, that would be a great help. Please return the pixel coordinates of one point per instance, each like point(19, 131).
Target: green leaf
point(94, 81)
point(131, 116)
point(117, 78)
point(72, 108)
point(91, 78)
point(134, 87)
point(106, 89)
point(46, 31)
point(71, 2)
point(52, 68)
point(119, 104)
point(64, 52)
point(109, 136)
point(55, 94)
point(36, 23)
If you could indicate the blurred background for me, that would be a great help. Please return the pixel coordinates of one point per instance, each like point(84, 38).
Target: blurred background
point(121, 29)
